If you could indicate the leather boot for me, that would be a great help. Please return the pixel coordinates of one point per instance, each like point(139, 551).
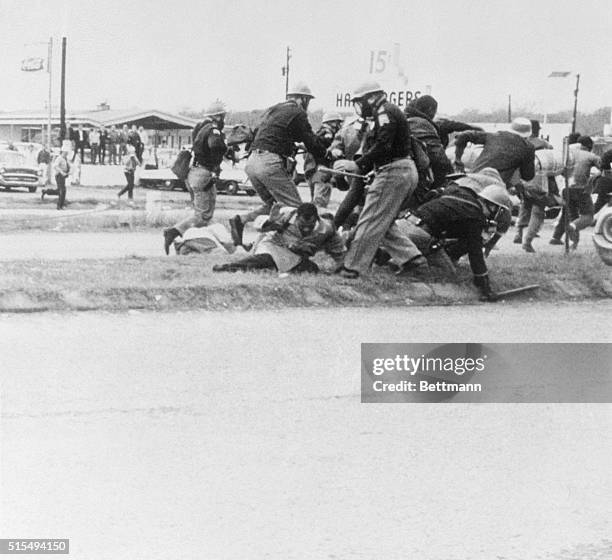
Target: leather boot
point(528, 247)
point(170, 234)
point(518, 238)
point(236, 229)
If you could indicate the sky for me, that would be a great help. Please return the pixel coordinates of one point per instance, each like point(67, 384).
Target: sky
point(173, 55)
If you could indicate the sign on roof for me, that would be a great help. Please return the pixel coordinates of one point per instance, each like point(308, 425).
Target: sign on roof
point(32, 64)
point(385, 66)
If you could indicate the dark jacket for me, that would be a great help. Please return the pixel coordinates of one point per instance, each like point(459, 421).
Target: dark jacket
point(606, 161)
point(458, 214)
point(539, 143)
point(209, 146)
point(423, 128)
point(75, 137)
point(326, 133)
point(281, 126)
point(389, 140)
point(447, 127)
point(504, 151)
point(133, 138)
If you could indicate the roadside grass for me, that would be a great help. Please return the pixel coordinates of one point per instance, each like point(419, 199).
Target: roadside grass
point(548, 269)
point(188, 282)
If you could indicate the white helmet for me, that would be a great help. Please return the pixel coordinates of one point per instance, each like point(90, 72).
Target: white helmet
point(498, 195)
point(366, 88)
point(301, 89)
point(331, 117)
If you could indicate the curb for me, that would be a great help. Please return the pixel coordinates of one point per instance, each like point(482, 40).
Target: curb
point(250, 296)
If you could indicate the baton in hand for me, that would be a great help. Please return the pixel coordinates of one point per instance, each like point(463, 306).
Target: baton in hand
point(343, 173)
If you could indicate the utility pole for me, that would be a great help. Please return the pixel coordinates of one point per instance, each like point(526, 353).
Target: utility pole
point(49, 70)
point(285, 71)
point(63, 93)
point(575, 103)
point(509, 108)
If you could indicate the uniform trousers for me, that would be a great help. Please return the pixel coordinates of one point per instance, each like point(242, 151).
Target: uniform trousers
point(269, 177)
point(376, 226)
point(201, 184)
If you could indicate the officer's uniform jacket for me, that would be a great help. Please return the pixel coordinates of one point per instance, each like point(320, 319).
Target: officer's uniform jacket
point(282, 125)
point(457, 214)
point(209, 146)
point(388, 141)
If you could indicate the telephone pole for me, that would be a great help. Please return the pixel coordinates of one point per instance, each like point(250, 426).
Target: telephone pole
point(63, 93)
point(49, 70)
point(285, 71)
point(574, 114)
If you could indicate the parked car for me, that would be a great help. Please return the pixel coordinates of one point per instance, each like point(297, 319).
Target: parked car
point(150, 176)
point(233, 180)
point(162, 179)
point(16, 172)
point(602, 235)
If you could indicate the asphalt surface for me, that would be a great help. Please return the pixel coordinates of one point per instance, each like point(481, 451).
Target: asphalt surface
point(240, 435)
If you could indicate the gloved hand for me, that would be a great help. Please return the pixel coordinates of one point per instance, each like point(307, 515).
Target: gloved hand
point(484, 286)
point(346, 165)
point(459, 166)
point(336, 153)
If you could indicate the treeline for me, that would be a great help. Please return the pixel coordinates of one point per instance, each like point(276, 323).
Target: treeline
point(586, 123)
point(250, 118)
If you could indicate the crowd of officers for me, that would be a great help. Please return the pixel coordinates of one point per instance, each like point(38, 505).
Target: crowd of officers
point(407, 207)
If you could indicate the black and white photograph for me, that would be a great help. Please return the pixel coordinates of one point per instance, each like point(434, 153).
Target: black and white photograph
point(313, 280)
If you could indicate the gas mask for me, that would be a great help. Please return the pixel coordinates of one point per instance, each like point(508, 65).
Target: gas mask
point(300, 101)
point(362, 108)
point(219, 120)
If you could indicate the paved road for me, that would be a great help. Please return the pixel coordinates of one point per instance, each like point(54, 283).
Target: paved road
point(240, 435)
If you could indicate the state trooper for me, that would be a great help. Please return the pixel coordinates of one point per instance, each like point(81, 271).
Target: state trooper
point(466, 213)
point(388, 154)
point(319, 181)
point(348, 144)
point(270, 163)
point(208, 150)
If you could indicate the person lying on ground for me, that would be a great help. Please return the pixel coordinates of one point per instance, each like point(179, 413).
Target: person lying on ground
point(290, 237)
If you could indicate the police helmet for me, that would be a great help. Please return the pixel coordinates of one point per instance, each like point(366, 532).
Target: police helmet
point(331, 117)
point(300, 89)
point(366, 88)
point(498, 195)
point(217, 107)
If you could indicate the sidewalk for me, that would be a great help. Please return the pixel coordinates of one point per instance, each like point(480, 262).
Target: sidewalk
point(91, 245)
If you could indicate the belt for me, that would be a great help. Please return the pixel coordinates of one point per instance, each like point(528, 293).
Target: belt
point(392, 160)
point(263, 152)
point(196, 164)
point(415, 221)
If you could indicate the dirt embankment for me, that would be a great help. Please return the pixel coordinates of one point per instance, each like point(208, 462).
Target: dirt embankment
point(188, 283)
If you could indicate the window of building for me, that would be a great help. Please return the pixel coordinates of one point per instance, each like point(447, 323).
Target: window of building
point(31, 134)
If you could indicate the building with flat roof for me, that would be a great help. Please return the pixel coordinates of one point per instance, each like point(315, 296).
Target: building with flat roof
point(32, 126)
